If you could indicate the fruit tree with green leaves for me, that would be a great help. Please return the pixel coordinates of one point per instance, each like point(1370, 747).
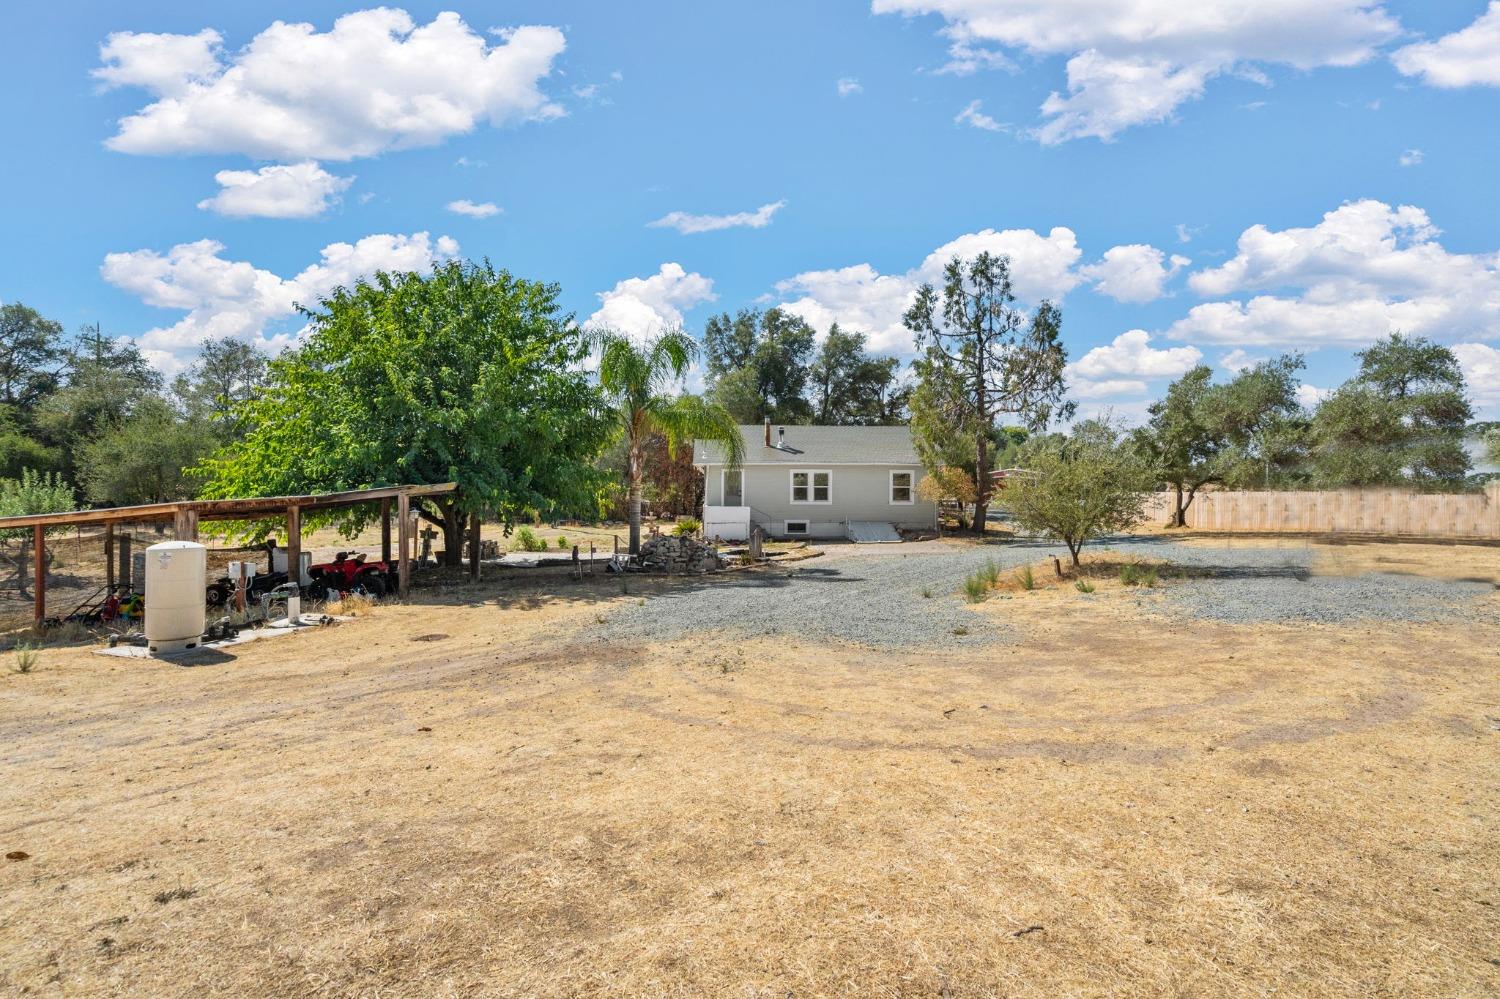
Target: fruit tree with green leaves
point(469, 375)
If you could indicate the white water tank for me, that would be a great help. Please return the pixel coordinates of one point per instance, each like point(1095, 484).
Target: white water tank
point(175, 616)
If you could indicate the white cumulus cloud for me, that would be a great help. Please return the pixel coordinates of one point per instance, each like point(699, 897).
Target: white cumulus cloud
point(859, 297)
point(686, 223)
point(848, 86)
point(235, 298)
point(1238, 360)
point(1412, 157)
point(376, 81)
point(1366, 268)
point(1109, 388)
point(283, 191)
point(474, 209)
point(642, 307)
point(1134, 62)
point(1466, 58)
point(1130, 355)
point(1134, 273)
point(1481, 367)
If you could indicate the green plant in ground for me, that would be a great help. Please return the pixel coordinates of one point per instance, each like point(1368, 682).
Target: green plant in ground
point(562, 541)
point(1148, 576)
point(1130, 574)
point(927, 593)
point(527, 541)
point(1083, 586)
point(975, 588)
point(961, 630)
point(1026, 578)
point(26, 658)
point(990, 573)
point(1078, 487)
point(687, 526)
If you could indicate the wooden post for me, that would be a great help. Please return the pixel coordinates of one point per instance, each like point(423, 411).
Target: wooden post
point(185, 525)
point(126, 572)
point(403, 541)
point(294, 545)
point(474, 548)
point(385, 531)
point(39, 584)
point(109, 557)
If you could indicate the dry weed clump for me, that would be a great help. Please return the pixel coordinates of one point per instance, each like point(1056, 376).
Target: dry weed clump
point(351, 605)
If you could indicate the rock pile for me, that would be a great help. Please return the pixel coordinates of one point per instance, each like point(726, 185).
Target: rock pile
point(670, 553)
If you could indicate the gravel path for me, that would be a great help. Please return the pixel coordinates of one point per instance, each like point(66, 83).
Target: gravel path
point(873, 599)
point(877, 599)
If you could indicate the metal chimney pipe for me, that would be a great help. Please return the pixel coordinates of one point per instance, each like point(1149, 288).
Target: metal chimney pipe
point(781, 436)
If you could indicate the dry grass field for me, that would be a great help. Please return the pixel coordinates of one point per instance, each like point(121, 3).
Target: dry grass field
point(474, 794)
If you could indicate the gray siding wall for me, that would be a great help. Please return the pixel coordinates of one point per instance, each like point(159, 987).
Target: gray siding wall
point(860, 492)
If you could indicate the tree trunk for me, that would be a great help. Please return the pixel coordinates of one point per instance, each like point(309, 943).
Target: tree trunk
point(453, 537)
point(982, 484)
point(634, 473)
point(1073, 550)
point(1182, 508)
point(1179, 510)
point(452, 523)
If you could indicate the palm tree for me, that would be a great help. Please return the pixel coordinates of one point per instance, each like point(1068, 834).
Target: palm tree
point(637, 380)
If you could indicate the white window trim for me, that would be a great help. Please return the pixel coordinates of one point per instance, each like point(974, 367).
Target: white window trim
point(911, 489)
point(791, 486)
point(724, 492)
point(806, 526)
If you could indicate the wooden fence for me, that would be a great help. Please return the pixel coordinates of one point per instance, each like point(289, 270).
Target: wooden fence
point(1396, 512)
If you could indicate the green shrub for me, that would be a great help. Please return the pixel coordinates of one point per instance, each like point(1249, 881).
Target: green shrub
point(1130, 574)
point(562, 542)
point(527, 541)
point(975, 588)
point(1084, 586)
point(687, 526)
point(1148, 576)
point(1026, 578)
point(927, 593)
point(990, 573)
point(26, 658)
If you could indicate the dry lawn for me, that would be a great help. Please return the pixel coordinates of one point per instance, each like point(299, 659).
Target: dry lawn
point(478, 797)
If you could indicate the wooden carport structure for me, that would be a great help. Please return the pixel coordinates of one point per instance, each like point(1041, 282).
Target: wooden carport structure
point(185, 515)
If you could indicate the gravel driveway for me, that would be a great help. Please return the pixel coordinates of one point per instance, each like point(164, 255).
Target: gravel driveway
point(877, 598)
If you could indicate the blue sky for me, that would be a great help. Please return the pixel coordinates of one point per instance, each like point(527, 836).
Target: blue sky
point(1189, 185)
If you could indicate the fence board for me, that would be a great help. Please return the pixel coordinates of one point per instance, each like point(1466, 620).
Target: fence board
point(1397, 512)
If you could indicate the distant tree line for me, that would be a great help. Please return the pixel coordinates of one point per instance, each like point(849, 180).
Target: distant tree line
point(472, 375)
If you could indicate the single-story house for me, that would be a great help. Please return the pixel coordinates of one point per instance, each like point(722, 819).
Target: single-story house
point(815, 482)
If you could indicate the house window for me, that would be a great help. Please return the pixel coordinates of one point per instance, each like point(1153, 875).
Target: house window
point(796, 527)
point(733, 487)
point(901, 491)
point(812, 486)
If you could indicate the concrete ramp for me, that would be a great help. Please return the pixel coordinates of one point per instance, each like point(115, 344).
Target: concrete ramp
point(872, 532)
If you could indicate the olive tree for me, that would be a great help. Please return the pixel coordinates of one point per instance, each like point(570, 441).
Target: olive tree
point(1079, 486)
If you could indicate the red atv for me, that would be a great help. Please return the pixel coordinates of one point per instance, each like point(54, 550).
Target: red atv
point(351, 572)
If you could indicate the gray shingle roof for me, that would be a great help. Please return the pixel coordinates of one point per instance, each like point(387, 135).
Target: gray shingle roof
point(818, 445)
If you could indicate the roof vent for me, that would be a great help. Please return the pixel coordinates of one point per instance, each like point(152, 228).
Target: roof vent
point(781, 437)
